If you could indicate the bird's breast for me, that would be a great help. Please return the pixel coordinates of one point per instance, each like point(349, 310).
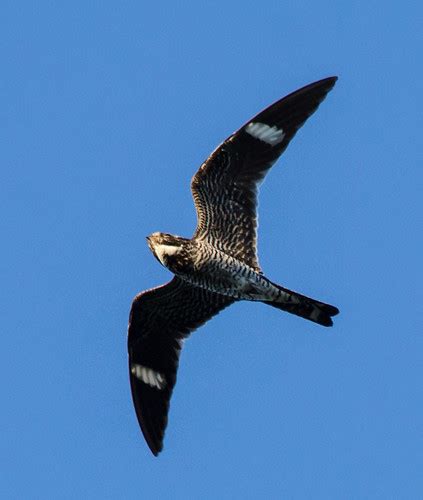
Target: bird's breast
point(208, 267)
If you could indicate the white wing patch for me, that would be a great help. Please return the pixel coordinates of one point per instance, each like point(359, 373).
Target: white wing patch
point(148, 376)
point(271, 135)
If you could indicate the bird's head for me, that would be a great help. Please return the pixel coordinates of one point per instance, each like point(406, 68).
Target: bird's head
point(165, 246)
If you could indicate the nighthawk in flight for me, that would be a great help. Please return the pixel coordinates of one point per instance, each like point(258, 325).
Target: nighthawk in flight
point(218, 265)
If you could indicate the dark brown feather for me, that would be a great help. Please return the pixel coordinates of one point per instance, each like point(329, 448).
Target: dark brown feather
point(225, 186)
point(159, 320)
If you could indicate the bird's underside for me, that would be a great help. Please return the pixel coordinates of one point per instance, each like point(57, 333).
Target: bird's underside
point(219, 264)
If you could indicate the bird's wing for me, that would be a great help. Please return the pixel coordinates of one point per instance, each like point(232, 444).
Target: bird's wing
point(160, 319)
point(225, 186)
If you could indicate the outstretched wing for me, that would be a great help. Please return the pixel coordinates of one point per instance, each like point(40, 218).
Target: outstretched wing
point(160, 319)
point(225, 186)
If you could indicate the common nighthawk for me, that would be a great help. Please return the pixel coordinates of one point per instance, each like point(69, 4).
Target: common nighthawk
point(218, 265)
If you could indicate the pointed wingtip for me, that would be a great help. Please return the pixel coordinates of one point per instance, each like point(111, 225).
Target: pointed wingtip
point(333, 80)
point(330, 79)
point(154, 444)
point(326, 83)
point(155, 451)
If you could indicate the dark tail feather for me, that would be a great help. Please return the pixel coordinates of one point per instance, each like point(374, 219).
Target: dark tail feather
point(307, 308)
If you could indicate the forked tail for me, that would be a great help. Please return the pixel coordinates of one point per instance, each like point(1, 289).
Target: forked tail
point(303, 306)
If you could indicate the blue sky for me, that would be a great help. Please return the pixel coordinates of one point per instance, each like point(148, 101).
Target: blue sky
point(107, 111)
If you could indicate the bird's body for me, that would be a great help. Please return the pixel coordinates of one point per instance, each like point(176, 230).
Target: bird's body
point(203, 265)
point(219, 264)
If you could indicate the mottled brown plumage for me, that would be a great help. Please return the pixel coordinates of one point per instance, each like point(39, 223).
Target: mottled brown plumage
point(219, 265)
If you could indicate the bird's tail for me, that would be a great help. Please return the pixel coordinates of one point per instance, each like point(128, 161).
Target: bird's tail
point(303, 306)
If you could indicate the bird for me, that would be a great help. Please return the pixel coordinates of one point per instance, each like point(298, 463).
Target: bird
point(219, 264)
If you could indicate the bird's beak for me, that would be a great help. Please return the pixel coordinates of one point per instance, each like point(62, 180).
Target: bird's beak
point(150, 243)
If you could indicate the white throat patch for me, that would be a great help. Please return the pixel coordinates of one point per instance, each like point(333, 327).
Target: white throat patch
point(164, 250)
point(263, 132)
point(148, 376)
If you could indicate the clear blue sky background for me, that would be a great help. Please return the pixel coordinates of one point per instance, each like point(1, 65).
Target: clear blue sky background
point(107, 110)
